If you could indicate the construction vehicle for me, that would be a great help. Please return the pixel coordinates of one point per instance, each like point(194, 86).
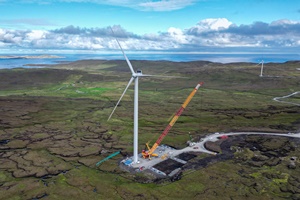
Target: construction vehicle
point(150, 152)
point(190, 142)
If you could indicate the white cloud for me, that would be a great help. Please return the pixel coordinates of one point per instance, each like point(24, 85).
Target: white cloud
point(36, 35)
point(283, 22)
point(144, 5)
point(177, 34)
point(211, 25)
point(208, 33)
point(2, 31)
point(10, 37)
point(165, 5)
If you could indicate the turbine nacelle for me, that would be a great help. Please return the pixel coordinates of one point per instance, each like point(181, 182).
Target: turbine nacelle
point(138, 73)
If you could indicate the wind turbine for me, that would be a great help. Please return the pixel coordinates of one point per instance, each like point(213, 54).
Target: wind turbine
point(262, 68)
point(134, 77)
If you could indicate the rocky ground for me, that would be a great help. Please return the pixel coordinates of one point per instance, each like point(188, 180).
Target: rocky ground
point(34, 144)
point(267, 163)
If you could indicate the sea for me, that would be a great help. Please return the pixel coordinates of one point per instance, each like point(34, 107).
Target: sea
point(8, 63)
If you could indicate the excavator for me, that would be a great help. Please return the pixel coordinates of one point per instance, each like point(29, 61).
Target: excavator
point(150, 152)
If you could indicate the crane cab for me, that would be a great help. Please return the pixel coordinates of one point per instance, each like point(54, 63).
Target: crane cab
point(145, 154)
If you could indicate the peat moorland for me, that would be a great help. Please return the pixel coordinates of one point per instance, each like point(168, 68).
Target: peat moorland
point(54, 129)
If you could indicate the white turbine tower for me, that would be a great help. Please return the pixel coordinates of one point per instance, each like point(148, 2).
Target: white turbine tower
point(134, 77)
point(262, 68)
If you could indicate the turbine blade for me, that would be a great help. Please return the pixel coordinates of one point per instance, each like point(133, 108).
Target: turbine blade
point(258, 64)
point(128, 62)
point(130, 81)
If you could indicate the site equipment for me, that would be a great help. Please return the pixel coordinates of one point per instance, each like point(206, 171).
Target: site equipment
point(150, 152)
point(108, 157)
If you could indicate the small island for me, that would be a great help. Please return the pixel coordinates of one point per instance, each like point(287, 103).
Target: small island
point(45, 56)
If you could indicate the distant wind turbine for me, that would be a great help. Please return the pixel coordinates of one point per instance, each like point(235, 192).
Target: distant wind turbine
point(262, 68)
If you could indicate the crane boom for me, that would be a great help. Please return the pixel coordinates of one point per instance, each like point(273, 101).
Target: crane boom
point(172, 122)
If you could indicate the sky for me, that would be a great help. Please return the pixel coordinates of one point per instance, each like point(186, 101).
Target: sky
point(189, 26)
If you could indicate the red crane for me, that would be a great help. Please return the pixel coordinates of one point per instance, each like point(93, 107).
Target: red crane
point(150, 152)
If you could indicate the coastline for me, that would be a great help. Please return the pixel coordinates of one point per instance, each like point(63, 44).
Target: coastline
point(45, 60)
